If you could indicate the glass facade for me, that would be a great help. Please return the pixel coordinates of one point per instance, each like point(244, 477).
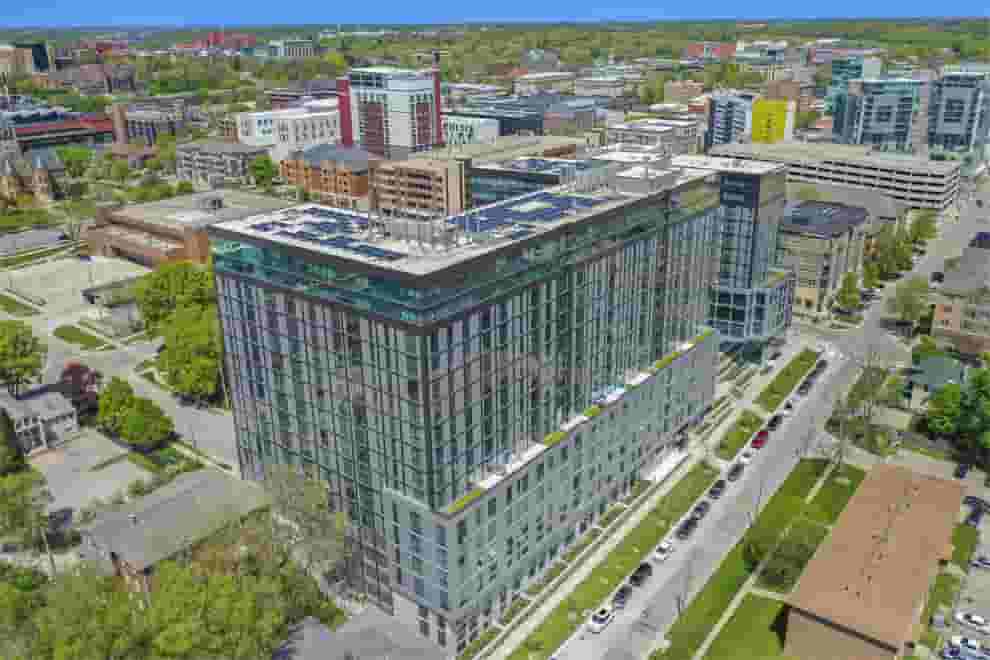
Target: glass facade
point(408, 395)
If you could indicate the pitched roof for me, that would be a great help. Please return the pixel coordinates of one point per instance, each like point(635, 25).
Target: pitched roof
point(872, 572)
point(190, 508)
point(371, 635)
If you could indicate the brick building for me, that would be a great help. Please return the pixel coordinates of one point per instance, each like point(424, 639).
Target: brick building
point(332, 174)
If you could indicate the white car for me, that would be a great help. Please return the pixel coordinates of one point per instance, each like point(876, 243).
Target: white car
point(664, 550)
point(966, 643)
point(600, 619)
point(974, 621)
point(746, 457)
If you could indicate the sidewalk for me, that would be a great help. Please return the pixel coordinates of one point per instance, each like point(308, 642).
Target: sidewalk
point(508, 644)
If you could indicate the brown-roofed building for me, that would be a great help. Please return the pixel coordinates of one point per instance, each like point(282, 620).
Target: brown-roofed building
point(862, 595)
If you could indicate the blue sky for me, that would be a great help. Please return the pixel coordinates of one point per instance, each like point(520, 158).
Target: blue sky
point(232, 12)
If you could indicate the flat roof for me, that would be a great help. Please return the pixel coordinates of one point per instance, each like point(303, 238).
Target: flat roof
point(503, 148)
point(873, 570)
point(547, 75)
point(543, 165)
point(221, 147)
point(197, 210)
point(736, 165)
point(825, 219)
point(844, 154)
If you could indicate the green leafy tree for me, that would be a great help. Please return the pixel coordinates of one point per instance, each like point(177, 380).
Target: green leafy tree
point(848, 297)
point(21, 355)
point(11, 456)
point(871, 275)
point(910, 300)
point(184, 188)
point(805, 120)
point(145, 424)
point(116, 401)
point(75, 158)
point(923, 227)
point(191, 354)
point(166, 145)
point(24, 499)
point(926, 347)
point(263, 170)
point(171, 286)
point(120, 171)
point(155, 164)
point(944, 410)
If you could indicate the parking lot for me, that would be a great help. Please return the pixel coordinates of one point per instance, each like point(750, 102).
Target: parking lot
point(60, 283)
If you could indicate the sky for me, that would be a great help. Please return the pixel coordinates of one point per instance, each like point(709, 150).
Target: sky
point(234, 12)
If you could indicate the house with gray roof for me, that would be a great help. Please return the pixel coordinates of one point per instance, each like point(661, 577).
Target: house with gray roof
point(129, 542)
point(962, 299)
point(371, 635)
point(42, 418)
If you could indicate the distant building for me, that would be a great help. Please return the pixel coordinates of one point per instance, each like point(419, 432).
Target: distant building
point(390, 112)
point(959, 111)
point(26, 58)
point(962, 300)
point(538, 114)
point(546, 82)
point(292, 48)
point(823, 241)
point(289, 97)
point(792, 90)
point(710, 50)
point(676, 136)
point(913, 181)
point(170, 230)
point(468, 130)
point(773, 121)
point(214, 163)
point(39, 175)
point(611, 87)
point(540, 60)
point(292, 129)
point(332, 174)
point(91, 79)
point(144, 121)
point(419, 188)
point(886, 114)
point(863, 592)
point(730, 118)
point(844, 69)
point(42, 418)
point(682, 91)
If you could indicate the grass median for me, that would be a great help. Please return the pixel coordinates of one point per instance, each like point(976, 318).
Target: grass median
point(784, 383)
point(834, 494)
point(738, 435)
point(15, 307)
point(964, 540)
point(620, 563)
point(755, 630)
point(79, 337)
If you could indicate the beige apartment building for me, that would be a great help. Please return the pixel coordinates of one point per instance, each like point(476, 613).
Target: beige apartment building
point(682, 91)
point(962, 300)
point(823, 241)
point(419, 187)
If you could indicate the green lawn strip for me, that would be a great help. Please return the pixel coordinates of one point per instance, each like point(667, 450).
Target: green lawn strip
point(552, 574)
point(784, 383)
point(696, 622)
point(796, 549)
point(608, 575)
point(831, 499)
point(737, 436)
point(614, 512)
point(78, 336)
point(586, 540)
point(25, 258)
point(107, 463)
point(755, 630)
point(517, 606)
point(964, 540)
point(943, 594)
point(480, 643)
point(141, 336)
point(15, 307)
point(867, 384)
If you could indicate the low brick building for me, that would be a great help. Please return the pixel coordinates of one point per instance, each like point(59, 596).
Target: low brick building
point(215, 163)
point(332, 174)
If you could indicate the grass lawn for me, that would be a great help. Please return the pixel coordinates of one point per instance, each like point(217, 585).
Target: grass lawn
point(755, 631)
point(805, 536)
point(28, 257)
point(869, 382)
point(480, 643)
point(943, 593)
point(78, 336)
point(141, 336)
point(831, 499)
point(784, 383)
point(964, 540)
point(608, 575)
point(737, 436)
point(15, 307)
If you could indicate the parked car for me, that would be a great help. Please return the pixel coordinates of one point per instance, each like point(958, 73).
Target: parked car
point(974, 621)
point(973, 500)
point(980, 561)
point(775, 422)
point(718, 488)
point(686, 529)
point(701, 510)
point(663, 551)
point(819, 367)
point(805, 387)
point(962, 470)
point(760, 439)
point(746, 457)
point(621, 597)
point(735, 472)
point(966, 643)
point(788, 408)
point(776, 354)
point(641, 574)
point(600, 619)
point(975, 517)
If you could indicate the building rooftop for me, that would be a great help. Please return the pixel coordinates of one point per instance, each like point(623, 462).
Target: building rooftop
point(221, 147)
point(839, 154)
point(823, 219)
point(732, 165)
point(371, 635)
point(201, 209)
point(42, 402)
point(503, 148)
point(180, 513)
point(546, 75)
point(356, 158)
point(873, 570)
point(554, 166)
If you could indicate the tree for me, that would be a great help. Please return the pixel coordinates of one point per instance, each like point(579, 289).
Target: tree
point(21, 355)
point(166, 145)
point(155, 165)
point(116, 400)
point(184, 188)
point(808, 193)
point(927, 347)
point(263, 170)
point(145, 424)
point(848, 297)
point(871, 275)
point(75, 212)
point(923, 227)
point(805, 120)
point(190, 357)
point(893, 391)
point(944, 410)
point(120, 171)
point(910, 300)
point(75, 158)
point(171, 286)
point(11, 456)
point(24, 500)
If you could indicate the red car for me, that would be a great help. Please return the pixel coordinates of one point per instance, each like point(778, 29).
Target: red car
point(760, 439)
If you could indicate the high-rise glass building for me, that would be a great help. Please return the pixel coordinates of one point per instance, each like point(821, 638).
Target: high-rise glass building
point(959, 112)
point(887, 113)
point(752, 298)
point(849, 68)
point(730, 118)
point(474, 390)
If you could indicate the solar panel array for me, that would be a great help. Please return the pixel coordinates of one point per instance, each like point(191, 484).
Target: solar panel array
point(331, 229)
point(981, 240)
point(539, 208)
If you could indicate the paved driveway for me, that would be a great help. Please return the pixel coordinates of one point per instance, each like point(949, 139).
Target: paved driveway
point(71, 480)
